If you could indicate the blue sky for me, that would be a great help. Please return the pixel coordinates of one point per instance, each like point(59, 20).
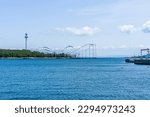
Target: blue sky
point(117, 27)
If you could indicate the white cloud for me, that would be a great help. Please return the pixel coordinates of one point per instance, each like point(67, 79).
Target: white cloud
point(128, 29)
point(146, 27)
point(84, 31)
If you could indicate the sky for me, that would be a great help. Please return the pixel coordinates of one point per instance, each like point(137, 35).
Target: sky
point(117, 27)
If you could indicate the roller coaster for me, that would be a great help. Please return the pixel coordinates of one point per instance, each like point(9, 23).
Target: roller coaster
point(86, 51)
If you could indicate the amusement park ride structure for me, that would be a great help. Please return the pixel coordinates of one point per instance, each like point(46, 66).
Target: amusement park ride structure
point(85, 51)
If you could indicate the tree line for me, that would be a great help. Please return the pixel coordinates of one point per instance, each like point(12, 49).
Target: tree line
point(5, 53)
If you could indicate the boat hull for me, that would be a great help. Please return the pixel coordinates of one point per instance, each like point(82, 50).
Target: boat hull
point(142, 62)
point(129, 60)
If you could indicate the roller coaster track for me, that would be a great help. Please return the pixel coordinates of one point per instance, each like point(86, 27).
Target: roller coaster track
point(86, 51)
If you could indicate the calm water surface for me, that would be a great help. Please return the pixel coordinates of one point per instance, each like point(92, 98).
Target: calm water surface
point(77, 79)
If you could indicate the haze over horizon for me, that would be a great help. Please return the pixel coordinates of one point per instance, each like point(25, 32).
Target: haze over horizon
point(117, 27)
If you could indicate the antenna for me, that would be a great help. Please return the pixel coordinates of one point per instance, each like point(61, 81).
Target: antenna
point(26, 37)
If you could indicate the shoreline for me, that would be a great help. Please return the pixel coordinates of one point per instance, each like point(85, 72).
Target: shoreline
point(1, 58)
point(30, 58)
point(28, 54)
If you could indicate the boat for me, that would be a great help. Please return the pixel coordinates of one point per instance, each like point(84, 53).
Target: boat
point(142, 61)
point(131, 59)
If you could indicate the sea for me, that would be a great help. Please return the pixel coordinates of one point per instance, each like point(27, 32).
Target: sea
point(73, 79)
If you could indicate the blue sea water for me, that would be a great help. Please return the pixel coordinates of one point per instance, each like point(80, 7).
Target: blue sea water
point(73, 79)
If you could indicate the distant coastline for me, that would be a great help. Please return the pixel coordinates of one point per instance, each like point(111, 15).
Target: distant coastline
point(28, 54)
